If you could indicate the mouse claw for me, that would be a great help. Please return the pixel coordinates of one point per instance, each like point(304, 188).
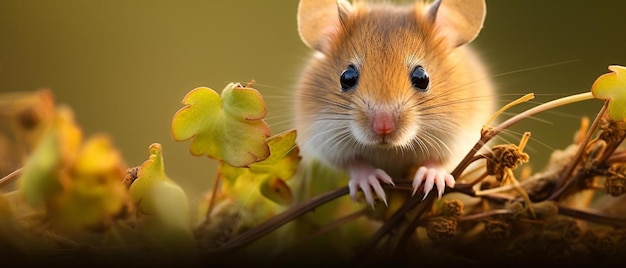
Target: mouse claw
point(367, 178)
point(430, 177)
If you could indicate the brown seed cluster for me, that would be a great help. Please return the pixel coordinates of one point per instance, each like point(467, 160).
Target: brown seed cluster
point(503, 157)
point(616, 181)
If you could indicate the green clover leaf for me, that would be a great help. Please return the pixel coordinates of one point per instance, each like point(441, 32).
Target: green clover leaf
point(612, 86)
point(230, 128)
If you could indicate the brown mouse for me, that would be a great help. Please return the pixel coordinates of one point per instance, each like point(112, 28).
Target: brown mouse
point(390, 89)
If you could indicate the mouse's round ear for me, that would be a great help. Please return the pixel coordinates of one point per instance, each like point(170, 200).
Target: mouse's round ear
point(459, 20)
point(317, 19)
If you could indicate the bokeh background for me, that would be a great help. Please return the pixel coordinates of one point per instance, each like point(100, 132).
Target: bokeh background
point(124, 66)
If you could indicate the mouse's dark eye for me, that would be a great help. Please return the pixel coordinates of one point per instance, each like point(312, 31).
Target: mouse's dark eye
point(419, 78)
point(349, 78)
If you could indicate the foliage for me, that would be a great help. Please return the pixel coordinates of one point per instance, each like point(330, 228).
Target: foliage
point(613, 86)
point(78, 182)
point(230, 128)
point(162, 203)
point(268, 206)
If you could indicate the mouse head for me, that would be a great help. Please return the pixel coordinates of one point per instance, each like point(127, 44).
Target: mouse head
point(390, 71)
point(459, 20)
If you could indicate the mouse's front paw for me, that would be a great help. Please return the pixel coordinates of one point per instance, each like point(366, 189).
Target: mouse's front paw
point(432, 176)
point(366, 178)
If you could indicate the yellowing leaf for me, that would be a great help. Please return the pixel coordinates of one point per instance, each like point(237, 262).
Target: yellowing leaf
point(93, 193)
point(31, 114)
point(80, 183)
point(42, 176)
point(275, 189)
point(98, 155)
point(284, 156)
point(612, 86)
point(230, 128)
point(268, 176)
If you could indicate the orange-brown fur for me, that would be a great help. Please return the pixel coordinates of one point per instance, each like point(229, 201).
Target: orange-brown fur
point(387, 42)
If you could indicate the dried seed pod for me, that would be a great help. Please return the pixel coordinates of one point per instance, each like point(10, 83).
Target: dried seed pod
point(593, 153)
point(542, 188)
point(598, 241)
point(497, 228)
point(545, 209)
point(131, 176)
point(441, 228)
point(561, 228)
point(503, 157)
point(516, 207)
point(452, 208)
point(616, 181)
point(612, 131)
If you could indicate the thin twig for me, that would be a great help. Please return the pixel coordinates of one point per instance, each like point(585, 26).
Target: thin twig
point(521, 100)
point(485, 214)
point(591, 217)
point(617, 157)
point(487, 135)
point(278, 221)
point(506, 187)
point(479, 179)
point(562, 183)
point(11, 177)
point(402, 234)
point(542, 108)
point(609, 151)
point(327, 228)
point(395, 219)
point(216, 184)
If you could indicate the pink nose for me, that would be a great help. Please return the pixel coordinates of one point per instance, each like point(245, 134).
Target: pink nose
point(383, 123)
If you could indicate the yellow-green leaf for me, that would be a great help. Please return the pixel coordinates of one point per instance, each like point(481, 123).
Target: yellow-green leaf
point(268, 176)
point(150, 172)
point(80, 183)
point(93, 194)
point(229, 128)
point(284, 156)
point(42, 176)
point(163, 203)
point(277, 190)
point(612, 86)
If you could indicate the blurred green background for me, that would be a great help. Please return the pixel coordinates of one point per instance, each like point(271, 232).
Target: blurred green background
point(124, 66)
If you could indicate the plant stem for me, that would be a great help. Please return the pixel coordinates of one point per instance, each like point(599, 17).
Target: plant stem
point(11, 177)
point(591, 217)
point(410, 224)
point(617, 157)
point(216, 184)
point(542, 108)
point(610, 150)
point(488, 134)
point(279, 220)
point(329, 227)
point(485, 214)
point(523, 99)
point(395, 219)
point(563, 184)
point(479, 179)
